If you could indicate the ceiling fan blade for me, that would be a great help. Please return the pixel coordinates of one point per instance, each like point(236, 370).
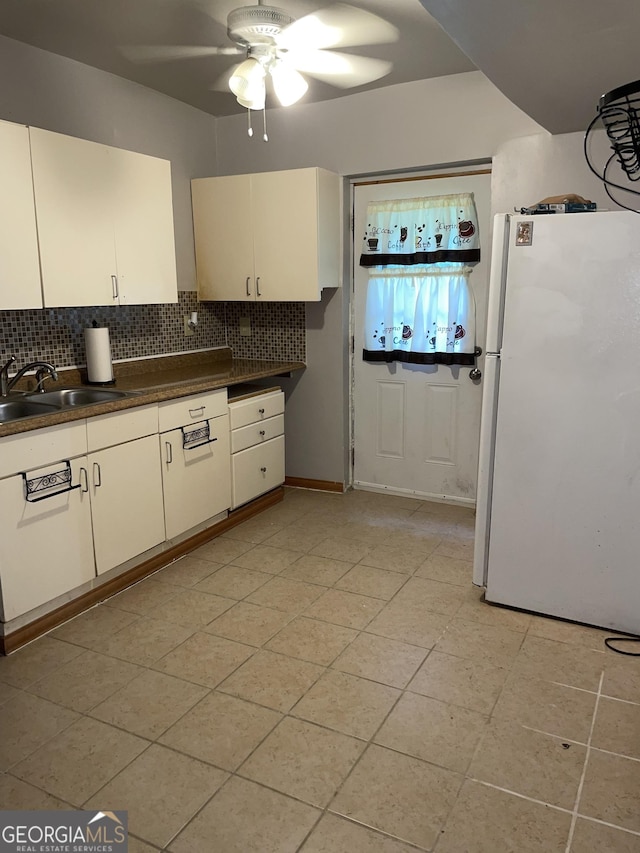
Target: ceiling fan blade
point(147, 54)
point(339, 25)
point(339, 69)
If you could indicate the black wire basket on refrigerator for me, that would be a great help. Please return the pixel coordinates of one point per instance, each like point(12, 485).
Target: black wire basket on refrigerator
point(619, 113)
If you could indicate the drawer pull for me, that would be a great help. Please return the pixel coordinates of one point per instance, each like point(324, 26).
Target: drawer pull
point(196, 437)
point(195, 413)
point(262, 432)
point(264, 470)
point(49, 485)
point(261, 411)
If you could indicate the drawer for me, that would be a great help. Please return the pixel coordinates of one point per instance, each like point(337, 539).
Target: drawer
point(189, 410)
point(247, 436)
point(25, 451)
point(256, 409)
point(119, 427)
point(256, 470)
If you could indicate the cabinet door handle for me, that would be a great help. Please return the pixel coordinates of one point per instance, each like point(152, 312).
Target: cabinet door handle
point(169, 449)
point(258, 286)
point(264, 470)
point(84, 480)
point(97, 475)
point(114, 286)
point(261, 411)
point(195, 413)
point(261, 432)
point(246, 284)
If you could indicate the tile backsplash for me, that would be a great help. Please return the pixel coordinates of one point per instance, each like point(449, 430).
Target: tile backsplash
point(141, 331)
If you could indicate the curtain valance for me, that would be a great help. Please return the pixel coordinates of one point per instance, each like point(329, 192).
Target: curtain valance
point(421, 231)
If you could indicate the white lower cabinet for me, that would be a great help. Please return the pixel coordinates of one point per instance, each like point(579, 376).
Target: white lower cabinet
point(126, 501)
point(257, 446)
point(257, 470)
point(195, 474)
point(194, 448)
point(125, 485)
point(46, 546)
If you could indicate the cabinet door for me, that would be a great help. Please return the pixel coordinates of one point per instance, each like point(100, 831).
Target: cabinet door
point(223, 238)
point(257, 470)
point(143, 225)
point(196, 480)
point(126, 501)
point(285, 235)
point(19, 262)
point(46, 548)
point(73, 191)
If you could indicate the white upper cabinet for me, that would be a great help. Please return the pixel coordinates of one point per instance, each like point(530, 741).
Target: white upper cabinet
point(271, 236)
point(223, 238)
point(144, 236)
point(19, 265)
point(105, 223)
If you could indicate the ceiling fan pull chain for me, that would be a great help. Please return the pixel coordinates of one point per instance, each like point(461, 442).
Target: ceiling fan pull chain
point(250, 129)
point(264, 124)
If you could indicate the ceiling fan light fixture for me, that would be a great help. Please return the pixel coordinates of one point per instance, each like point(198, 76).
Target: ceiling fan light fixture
point(247, 84)
point(288, 84)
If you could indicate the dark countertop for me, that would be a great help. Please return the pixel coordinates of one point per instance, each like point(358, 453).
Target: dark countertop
point(157, 379)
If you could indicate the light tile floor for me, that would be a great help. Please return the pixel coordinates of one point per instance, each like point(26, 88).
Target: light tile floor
point(325, 678)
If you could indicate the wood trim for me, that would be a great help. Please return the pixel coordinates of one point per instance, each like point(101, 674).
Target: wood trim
point(320, 485)
point(463, 174)
point(42, 625)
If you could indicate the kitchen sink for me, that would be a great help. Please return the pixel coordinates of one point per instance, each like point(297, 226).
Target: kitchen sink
point(67, 397)
point(13, 410)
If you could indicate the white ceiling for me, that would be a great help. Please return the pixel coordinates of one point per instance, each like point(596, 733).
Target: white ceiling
point(94, 31)
point(553, 58)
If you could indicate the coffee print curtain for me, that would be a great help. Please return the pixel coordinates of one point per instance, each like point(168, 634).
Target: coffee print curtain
point(420, 308)
point(425, 316)
point(421, 231)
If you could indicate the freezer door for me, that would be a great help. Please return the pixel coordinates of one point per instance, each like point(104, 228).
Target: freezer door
point(485, 468)
point(564, 533)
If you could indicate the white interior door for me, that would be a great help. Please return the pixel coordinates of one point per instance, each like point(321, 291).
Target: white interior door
point(416, 427)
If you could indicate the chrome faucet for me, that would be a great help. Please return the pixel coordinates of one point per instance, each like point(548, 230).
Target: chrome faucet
point(42, 368)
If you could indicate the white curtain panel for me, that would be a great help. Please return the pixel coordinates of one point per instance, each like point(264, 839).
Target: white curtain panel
point(420, 315)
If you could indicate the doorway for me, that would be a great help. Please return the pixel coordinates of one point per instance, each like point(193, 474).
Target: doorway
point(415, 428)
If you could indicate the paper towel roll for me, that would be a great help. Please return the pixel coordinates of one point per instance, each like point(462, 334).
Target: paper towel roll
point(99, 368)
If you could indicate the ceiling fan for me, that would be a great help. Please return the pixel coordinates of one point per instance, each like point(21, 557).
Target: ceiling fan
point(277, 48)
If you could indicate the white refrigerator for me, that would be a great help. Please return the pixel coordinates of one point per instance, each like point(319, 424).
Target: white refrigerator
point(558, 508)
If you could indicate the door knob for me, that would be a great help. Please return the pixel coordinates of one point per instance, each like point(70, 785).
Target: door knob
point(475, 374)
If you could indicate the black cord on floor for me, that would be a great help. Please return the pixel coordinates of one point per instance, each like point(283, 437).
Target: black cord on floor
point(610, 640)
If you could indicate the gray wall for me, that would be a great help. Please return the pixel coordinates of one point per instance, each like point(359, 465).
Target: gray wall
point(44, 90)
point(452, 119)
point(528, 169)
point(457, 119)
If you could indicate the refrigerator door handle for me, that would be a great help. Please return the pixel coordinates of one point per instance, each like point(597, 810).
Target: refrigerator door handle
point(485, 469)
